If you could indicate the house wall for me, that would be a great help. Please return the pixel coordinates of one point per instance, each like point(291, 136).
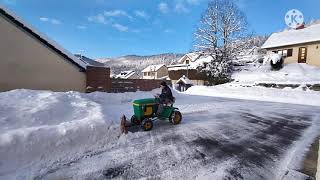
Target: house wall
point(28, 63)
point(313, 53)
point(163, 71)
point(183, 61)
point(151, 76)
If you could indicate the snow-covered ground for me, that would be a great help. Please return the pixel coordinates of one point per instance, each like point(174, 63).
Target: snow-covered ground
point(290, 74)
point(49, 135)
point(258, 93)
point(39, 127)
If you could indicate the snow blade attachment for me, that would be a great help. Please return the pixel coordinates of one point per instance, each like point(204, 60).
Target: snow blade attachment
point(124, 125)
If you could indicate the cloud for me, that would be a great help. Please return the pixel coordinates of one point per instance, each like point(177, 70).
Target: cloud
point(163, 8)
point(44, 19)
point(55, 21)
point(142, 14)
point(120, 27)
point(81, 27)
point(168, 31)
point(181, 8)
point(100, 18)
point(117, 13)
point(50, 20)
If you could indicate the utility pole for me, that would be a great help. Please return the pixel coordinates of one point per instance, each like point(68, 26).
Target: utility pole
point(187, 70)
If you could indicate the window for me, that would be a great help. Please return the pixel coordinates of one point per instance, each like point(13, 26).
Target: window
point(145, 73)
point(148, 73)
point(284, 53)
point(289, 54)
point(187, 61)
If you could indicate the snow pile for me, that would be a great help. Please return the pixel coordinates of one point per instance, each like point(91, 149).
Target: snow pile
point(272, 57)
point(39, 128)
point(290, 74)
point(286, 95)
point(200, 62)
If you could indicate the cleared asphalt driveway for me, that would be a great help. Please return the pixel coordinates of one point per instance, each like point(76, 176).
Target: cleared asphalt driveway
point(218, 139)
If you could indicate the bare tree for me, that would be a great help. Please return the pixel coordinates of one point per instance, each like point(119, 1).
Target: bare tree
point(220, 34)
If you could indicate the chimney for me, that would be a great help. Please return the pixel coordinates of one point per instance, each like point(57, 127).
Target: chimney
point(302, 26)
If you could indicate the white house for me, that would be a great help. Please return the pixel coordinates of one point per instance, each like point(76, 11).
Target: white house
point(127, 75)
point(189, 58)
point(155, 72)
point(297, 45)
point(187, 66)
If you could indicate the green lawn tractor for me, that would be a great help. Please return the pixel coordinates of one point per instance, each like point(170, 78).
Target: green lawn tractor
point(145, 112)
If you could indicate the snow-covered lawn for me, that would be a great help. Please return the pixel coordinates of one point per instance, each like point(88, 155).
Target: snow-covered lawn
point(241, 91)
point(290, 74)
point(50, 135)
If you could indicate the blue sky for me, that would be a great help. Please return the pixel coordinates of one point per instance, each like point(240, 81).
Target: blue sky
point(110, 28)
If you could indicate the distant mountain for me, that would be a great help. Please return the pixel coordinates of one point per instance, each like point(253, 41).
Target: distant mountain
point(138, 63)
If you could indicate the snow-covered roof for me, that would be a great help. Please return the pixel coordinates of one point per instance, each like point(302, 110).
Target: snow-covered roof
point(88, 61)
point(153, 68)
point(192, 56)
point(178, 67)
point(41, 37)
point(185, 80)
point(200, 62)
point(192, 65)
point(125, 74)
point(292, 37)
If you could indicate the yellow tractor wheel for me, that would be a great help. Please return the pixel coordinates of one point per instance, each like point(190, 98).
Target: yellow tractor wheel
point(147, 124)
point(176, 118)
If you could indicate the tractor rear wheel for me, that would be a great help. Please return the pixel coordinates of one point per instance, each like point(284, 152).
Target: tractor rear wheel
point(135, 120)
point(147, 124)
point(175, 118)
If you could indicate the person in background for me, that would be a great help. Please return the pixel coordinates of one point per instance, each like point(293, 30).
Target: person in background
point(165, 96)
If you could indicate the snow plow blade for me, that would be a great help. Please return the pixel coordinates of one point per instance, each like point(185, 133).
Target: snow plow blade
point(124, 125)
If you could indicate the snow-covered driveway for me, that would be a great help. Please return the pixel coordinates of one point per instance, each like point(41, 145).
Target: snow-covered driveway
point(219, 138)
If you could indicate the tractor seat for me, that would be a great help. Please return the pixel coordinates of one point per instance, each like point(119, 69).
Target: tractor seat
point(170, 103)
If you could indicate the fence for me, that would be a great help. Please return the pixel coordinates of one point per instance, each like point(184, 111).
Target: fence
point(98, 79)
point(132, 85)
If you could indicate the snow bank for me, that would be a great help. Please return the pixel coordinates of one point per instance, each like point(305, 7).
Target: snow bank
point(272, 57)
point(39, 128)
point(286, 95)
point(290, 74)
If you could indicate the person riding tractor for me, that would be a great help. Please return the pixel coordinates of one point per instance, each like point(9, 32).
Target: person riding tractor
point(148, 110)
point(165, 97)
